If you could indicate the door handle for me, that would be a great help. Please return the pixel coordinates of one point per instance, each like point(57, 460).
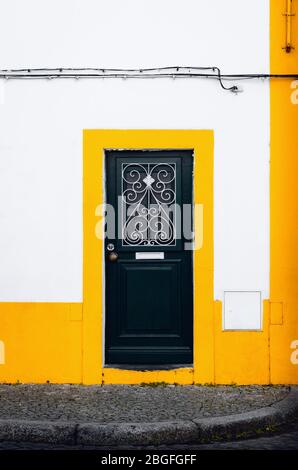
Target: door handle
point(112, 256)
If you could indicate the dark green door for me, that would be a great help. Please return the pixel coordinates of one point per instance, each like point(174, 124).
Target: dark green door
point(149, 279)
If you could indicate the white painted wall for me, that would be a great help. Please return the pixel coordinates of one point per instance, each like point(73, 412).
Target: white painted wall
point(41, 125)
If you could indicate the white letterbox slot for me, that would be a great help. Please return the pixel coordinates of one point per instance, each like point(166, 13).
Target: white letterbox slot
point(150, 255)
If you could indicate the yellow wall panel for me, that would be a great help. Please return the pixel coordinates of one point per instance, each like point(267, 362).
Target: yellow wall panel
point(283, 344)
point(41, 343)
point(175, 376)
point(241, 357)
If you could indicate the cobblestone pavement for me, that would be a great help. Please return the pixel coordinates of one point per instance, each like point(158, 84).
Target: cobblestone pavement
point(131, 403)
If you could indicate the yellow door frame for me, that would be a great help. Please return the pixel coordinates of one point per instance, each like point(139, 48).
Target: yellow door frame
point(95, 143)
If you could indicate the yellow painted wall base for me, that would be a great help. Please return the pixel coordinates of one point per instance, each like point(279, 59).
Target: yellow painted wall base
point(241, 357)
point(42, 342)
point(182, 376)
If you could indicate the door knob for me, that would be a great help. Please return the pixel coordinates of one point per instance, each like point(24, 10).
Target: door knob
point(112, 256)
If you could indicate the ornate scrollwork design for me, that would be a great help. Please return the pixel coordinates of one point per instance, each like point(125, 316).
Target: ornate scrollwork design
point(148, 198)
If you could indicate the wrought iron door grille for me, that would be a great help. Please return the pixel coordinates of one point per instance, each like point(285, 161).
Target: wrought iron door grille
point(148, 204)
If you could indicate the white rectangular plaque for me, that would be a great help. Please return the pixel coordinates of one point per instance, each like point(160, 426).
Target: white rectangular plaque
point(150, 255)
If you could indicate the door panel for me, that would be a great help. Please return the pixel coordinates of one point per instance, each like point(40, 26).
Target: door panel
point(149, 303)
point(141, 313)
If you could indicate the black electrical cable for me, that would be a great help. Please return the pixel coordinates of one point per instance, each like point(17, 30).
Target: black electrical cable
point(155, 72)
